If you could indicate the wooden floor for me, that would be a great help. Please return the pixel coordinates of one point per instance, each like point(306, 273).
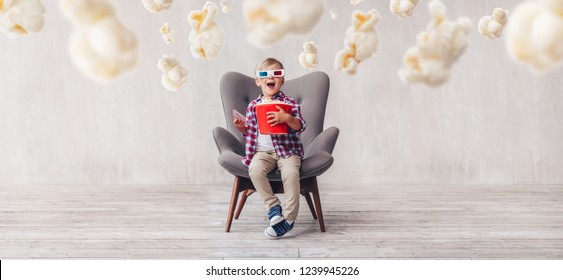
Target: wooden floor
point(187, 222)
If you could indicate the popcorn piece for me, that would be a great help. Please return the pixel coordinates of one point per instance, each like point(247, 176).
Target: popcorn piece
point(535, 35)
point(333, 14)
point(437, 49)
point(19, 17)
point(224, 6)
point(155, 6)
point(308, 58)
point(100, 45)
point(168, 34)
point(207, 38)
point(361, 41)
point(268, 21)
point(356, 2)
point(267, 100)
point(403, 8)
point(492, 26)
point(174, 75)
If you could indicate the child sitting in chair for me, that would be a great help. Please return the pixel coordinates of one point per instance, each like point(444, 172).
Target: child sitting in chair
point(266, 152)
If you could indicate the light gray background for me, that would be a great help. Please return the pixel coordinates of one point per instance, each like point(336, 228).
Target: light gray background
point(492, 123)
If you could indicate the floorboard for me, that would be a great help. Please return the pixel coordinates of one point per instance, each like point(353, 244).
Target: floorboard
point(372, 222)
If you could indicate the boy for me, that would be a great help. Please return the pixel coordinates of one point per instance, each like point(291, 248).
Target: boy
point(265, 152)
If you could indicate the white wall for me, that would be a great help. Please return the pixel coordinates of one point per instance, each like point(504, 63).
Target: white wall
point(493, 123)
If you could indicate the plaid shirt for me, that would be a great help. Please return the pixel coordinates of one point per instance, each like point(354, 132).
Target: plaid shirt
point(285, 145)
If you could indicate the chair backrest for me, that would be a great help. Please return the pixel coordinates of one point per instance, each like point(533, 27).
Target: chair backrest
point(310, 91)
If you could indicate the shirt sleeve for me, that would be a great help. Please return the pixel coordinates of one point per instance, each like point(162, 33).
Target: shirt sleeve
point(246, 121)
point(296, 112)
point(252, 129)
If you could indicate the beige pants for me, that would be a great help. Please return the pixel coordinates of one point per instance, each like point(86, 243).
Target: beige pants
point(264, 162)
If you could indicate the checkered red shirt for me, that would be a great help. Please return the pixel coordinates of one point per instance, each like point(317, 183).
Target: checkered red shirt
point(285, 145)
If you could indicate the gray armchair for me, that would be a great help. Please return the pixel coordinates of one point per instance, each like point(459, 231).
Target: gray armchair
point(311, 92)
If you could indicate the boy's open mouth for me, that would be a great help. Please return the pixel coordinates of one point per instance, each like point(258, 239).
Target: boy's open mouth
point(271, 85)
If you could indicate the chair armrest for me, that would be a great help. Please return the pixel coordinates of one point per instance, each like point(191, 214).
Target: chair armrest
point(324, 142)
point(226, 141)
point(316, 164)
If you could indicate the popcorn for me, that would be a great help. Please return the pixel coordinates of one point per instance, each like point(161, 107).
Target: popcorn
point(437, 49)
point(333, 14)
point(492, 26)
point(100, 45)
point(207, 38)
point(267, 100)
point(174, 75)
point(19, 17)
point(155, 6)
point(224, 6)
point(535, 35)
point(168, 34)
point(403, 8)
point(361, 41)
point(356, 2)
point(268, 21)
point(308, 58)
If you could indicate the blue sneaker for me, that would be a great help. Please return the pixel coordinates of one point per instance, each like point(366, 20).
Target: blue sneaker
point(278, 230)
point(275, 215)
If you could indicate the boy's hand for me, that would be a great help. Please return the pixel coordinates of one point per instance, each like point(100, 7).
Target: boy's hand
point(240, 125)
point(278, 117)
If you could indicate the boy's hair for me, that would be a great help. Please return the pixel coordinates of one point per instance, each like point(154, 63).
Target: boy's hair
point(267, 62)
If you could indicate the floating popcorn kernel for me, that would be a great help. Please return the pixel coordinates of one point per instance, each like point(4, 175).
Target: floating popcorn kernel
point(535, 35)
point(361, 41)
point(168, 34)
point(492, 26)
point(224, 6)
point(174, 75)
point(207, 37)
point(402, 8)
point(155, 6)
point(356, 2)
point(308, 58)
point(269, 21)
point(20, 17)
point(333, 14)
point(437, 48)
point(100, 45)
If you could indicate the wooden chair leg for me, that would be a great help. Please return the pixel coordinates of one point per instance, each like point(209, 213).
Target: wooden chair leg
point(245, 195)
point(317, 198)
point(234, 198)
point(307, 196)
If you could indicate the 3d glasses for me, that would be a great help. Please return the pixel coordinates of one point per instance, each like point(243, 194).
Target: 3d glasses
point(267, 73)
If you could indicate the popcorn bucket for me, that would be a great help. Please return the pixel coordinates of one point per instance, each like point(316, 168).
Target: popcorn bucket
point(262, 116)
